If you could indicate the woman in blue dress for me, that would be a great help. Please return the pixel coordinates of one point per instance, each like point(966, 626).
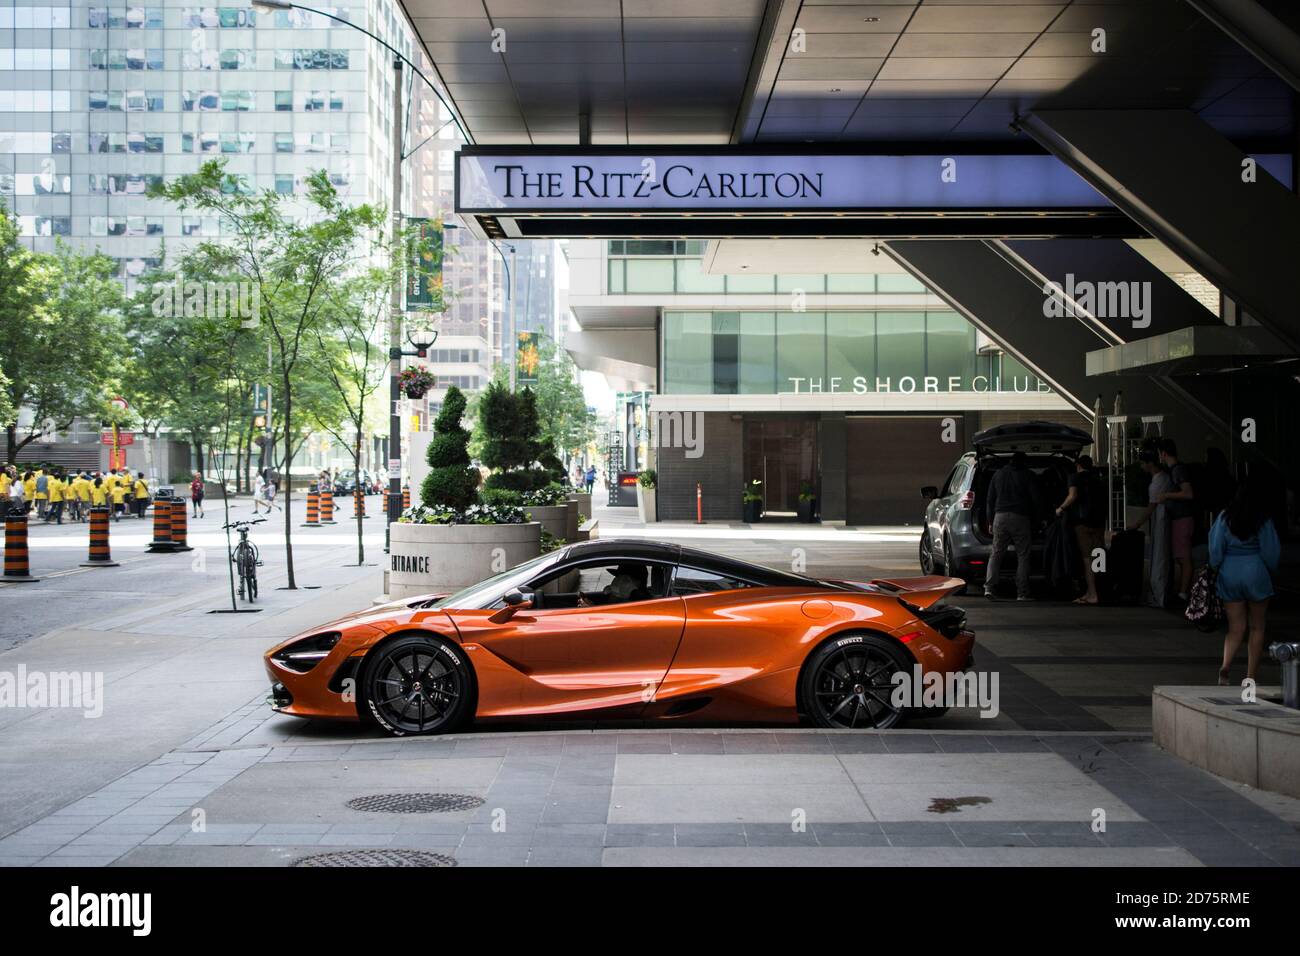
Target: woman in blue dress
point(1244, 547)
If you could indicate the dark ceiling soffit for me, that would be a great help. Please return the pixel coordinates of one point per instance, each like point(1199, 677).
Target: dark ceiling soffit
point(778, 22)
point(1108, 225)
point(936, 287)
point(1263, 35)
point(446, 89)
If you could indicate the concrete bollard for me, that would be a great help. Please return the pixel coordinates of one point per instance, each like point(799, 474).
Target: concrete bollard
point(406, 497)
point(359, 502)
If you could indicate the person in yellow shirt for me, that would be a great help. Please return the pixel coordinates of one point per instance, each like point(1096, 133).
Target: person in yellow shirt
point(118, 494)
point(29, 488)
point(55, 489)
point(141, 502)
point(6, 481)
point(83, 486)
point(98, 492)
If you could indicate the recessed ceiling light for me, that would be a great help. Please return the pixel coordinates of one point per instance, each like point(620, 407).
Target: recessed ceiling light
point(871, 19)
point(836, 89)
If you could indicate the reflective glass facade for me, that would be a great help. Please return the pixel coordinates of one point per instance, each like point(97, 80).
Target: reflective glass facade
point(768, 353)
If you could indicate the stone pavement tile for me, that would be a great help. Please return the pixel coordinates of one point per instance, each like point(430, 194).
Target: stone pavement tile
point(640, 834)
point(963, 743)
point(492, 856)
point(960, 769)
point(371, 752)
point(569, 834)
point(1005, 801)
point(996, 839)
point(479, 835)
point(577, 810)
point(777, 834)
point(438, 842)
point(855, 743)
point(757, 743)
point(1137, 833)
point(433, 823)
point(757, 803)
point(75, 861)
point(355, 839)
point(379, 826)
point(1066, 839)
point(729, 769)
point(316, 828)
point(591, 743)
point(892, 856)
point(481, 747)
point(697, 744)
point(710, 834)
point(1018, 744)
point(535, 744)
point(911, 744)
point(803, 744)
point(24, 850)
point(565, 856)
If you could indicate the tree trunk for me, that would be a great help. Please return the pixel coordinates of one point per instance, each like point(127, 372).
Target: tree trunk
point(288, 484)
point(356, 469)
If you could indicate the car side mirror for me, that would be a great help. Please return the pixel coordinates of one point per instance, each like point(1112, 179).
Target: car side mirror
point(930, 492)
point(516, 601)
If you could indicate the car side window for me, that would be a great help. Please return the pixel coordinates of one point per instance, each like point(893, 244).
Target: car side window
point(688, 581)
point(951, 482)
point(618, 581)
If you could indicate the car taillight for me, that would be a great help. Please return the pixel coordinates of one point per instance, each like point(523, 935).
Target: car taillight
point(967, 501)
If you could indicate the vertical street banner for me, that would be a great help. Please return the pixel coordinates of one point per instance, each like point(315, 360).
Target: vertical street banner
point(424, 266)
point(527, 358)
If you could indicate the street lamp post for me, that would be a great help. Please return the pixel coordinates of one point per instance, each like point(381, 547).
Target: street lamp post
point(395, 351)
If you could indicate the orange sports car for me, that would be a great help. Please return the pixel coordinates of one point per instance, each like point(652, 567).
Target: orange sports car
point(629, 629)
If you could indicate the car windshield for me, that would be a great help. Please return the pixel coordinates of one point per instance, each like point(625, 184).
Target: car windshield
point(489, 591)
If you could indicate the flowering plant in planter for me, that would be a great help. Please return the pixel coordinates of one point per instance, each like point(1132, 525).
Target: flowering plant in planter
point(415, 381)
point(474, 514)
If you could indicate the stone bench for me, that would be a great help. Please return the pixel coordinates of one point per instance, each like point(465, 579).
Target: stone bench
point(589, 529)
point(1256, 744)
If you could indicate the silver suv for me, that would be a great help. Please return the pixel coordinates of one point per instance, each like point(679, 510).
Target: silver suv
point(956, 539)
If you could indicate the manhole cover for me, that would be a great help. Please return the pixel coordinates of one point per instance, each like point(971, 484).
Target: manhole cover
point(376, 858)
point(415, 802)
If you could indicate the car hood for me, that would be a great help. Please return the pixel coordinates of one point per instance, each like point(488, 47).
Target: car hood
point(382, 610)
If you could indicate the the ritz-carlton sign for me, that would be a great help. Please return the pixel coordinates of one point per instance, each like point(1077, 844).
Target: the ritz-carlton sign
point(502, 180)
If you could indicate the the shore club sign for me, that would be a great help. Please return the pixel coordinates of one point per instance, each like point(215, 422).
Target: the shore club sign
point(495, 180)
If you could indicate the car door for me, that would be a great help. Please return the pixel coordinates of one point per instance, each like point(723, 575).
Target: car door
point(575, 658)
point(937, 514)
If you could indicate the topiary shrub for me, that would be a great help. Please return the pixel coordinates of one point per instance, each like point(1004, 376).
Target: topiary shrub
point(452, 483)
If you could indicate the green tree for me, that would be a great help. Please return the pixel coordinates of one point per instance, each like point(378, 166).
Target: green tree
point(451, 482)
point(512, 439)
point(293, 259)
point(561, 404)
point(355, 364)
point(60, 335)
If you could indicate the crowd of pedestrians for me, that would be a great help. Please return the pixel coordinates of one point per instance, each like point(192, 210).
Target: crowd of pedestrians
point(55, 494)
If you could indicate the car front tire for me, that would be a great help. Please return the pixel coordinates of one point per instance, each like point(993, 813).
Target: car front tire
point(417, 685)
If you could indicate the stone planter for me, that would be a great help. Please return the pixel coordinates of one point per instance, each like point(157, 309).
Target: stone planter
point(645, 504)
point(554, 518)
point(426, 558)
point(573, 521)
point(583, 501)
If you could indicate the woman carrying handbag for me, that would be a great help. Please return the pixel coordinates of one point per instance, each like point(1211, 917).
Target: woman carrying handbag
point(1244, 551)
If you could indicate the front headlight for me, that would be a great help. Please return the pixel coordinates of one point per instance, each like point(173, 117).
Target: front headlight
point(302, 656)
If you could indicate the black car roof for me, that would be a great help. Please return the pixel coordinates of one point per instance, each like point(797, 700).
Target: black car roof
point(675, 553)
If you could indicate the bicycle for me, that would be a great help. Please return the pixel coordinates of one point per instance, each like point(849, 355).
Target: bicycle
point(246, 558)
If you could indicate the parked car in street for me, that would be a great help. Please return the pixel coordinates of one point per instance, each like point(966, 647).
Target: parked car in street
point(626, 629)
point(956, 538)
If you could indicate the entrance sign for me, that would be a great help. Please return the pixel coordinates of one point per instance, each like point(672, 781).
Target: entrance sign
point(501, 180)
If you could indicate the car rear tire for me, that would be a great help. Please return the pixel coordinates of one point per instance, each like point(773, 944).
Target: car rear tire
point(416, 685)
point(848, 683)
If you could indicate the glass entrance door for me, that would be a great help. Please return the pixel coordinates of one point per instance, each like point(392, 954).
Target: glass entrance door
point(781, 453)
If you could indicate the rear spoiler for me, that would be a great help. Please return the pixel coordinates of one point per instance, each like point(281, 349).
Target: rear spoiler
point(923, 591)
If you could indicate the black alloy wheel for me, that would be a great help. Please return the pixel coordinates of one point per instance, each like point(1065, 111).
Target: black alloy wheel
point(416, 685)
point(849, 683)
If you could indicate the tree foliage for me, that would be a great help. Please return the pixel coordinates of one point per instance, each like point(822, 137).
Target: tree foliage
point(451, 482)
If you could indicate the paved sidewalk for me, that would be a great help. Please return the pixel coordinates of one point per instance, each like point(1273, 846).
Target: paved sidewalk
point(674, 797)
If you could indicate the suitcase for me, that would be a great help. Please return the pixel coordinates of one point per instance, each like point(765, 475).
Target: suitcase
point(1125, 566)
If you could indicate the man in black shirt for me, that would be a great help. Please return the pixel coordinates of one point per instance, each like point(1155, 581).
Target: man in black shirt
point(1085, 503)
point(1013, 503)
